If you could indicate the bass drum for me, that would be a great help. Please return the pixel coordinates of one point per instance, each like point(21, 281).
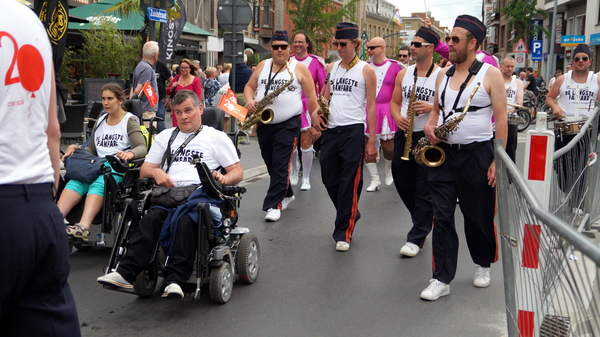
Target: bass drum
point(523, 119)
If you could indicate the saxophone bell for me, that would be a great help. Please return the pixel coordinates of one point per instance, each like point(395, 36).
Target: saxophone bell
point(265, 117)
point(432, 156)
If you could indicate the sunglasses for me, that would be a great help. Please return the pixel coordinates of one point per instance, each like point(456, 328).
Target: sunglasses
point(401, 55)
point(373, 47)
point(280, 46)
point(341, 44)
point(455, 39)
point(584, 59)
point(419, 44)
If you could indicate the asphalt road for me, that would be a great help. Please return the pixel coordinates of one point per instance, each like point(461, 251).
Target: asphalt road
point(305, 287)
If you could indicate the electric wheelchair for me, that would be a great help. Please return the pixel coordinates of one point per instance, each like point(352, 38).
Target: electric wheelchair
point(224, 254)
point(115, 194)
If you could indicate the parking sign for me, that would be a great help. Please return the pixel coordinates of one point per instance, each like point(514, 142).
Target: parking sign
point(536, 50)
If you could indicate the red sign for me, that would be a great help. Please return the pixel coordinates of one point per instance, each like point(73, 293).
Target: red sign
point(229, 104)
point(149, 92)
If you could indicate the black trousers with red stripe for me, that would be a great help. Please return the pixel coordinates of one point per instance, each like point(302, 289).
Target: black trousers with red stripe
point(410, 179)
point(277, 142)
point(341, 159)
point(464, 176)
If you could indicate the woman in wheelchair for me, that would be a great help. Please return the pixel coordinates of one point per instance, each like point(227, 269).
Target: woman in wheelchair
point(116, 133)
point(169, 163)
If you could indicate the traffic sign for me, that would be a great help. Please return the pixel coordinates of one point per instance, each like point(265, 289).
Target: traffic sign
point(234, 15)
point(520, 47)
point(233, 45)
point(520, 60)
point(155, 14)
point(536, 50)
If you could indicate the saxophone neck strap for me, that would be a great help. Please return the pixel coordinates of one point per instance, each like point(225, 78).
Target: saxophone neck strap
point(473, 70)
point(270, 81)
point(415, 73)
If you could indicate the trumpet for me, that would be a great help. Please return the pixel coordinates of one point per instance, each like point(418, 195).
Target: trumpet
point(432, 155)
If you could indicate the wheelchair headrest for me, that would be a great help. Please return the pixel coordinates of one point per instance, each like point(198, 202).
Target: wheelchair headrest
point(135, 107)
point(213, 116)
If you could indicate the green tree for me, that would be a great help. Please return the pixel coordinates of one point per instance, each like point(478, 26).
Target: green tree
point(107, 50)
point(518, 14)
point(319, 17)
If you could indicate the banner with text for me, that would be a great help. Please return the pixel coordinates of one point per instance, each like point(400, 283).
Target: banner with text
point(170, 33)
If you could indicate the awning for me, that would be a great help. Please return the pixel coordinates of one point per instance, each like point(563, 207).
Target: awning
point(258, 48)
point(94, 14)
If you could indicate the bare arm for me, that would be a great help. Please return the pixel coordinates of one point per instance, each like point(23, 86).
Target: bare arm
point(149, 170)
point(371, 85)
point(316, 121)
point(308, 86)
point(434, 115)
point(250, 88)
point(396, 102)
point(519, 92)
point(53, 132)
point(234, 175)
point(494, 85)
point(551, 97)
point(136, 91)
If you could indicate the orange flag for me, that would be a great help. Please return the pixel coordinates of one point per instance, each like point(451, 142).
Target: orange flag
point(149, 92)
point(229, 104)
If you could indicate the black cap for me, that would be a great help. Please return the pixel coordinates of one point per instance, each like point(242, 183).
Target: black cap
point(281, 35)
point(428, 35)
point(472, 24)
point(582, 48)
point(346, 30)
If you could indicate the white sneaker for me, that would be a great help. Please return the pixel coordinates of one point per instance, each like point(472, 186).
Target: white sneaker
point(409, 249)
point(342, 246)
point(273, 214)
point(114, 279)
point(482, 277)
point(286, 201)
point(173, 291)
point(294, 178)
point(305, 185)
point(435, 290)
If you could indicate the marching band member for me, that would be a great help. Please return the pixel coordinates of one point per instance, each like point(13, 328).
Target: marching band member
point(351, 89)
point(278, 139)
point(410, 178)
point(514, 96)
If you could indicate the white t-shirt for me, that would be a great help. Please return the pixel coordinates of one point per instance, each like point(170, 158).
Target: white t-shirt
point(112, 139)
point(578, 99)
point(212, 146)
point(348, 95)
point(25, 96)
point(425, 93)
point(288, 103)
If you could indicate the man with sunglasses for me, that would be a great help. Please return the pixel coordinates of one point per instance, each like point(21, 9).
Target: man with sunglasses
point(351, 93)
point(514, 96)
point(577, 90)
point(410, 178)
point(316, 65)
point(386, 71)
point(469, 171)
point(403, 56)
point(278, 139)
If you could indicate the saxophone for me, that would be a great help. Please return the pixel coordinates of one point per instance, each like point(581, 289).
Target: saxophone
point(434, 156)
point(323, 104)
point(263, 115)
point(411, 117)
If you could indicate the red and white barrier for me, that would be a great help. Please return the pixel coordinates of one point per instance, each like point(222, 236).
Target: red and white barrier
point(539, 149)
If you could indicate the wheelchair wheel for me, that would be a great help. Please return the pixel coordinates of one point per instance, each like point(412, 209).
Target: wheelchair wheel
point(247, 258)
point(146, 281)
point(221, 283)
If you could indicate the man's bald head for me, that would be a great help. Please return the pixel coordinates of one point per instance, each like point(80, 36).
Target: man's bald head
point(377, 41)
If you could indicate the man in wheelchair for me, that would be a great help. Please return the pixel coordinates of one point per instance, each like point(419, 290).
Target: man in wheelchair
point(169, 164)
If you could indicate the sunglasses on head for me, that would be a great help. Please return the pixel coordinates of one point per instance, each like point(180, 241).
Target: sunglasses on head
point(341, 44)
point(280, 46)
point(373, 47)
point(454, 39)
point(584, 59)
point(419, 44)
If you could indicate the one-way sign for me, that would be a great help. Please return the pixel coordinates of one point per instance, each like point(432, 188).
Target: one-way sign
point(536, 50)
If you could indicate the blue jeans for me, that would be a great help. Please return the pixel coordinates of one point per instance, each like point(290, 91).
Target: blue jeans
point(162, 110)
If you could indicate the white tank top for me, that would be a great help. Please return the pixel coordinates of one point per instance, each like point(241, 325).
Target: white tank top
point(111, 139)
point(511, 91)
point(578, 99)
point(348, 95)
point(287, 104)
point(425, 93)
point(24, 100)
point(477, 125)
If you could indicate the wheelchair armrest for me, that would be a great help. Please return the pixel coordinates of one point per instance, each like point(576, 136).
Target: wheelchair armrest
point(212, 187)
point(233, 190)
point(121, 166)
point(144, 184)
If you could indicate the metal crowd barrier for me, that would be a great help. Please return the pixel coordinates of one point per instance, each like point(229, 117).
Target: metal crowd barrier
point(550, 269)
